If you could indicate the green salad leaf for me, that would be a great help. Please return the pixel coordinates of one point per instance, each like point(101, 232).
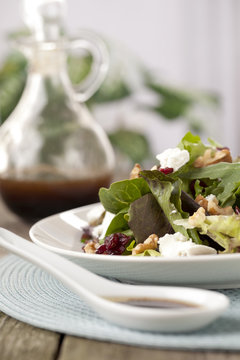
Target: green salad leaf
point(146, 217)
point(193, 144)
point(149, 252)
point(122, 193)
point(227, 180)
point(157, 203)
point(168, 193)
point(223, 229)
point(118, 224)
point(162, 187)
point(131, 245)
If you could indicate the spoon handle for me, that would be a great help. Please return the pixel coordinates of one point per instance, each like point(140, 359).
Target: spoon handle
point(63, 269)
point(88, 285)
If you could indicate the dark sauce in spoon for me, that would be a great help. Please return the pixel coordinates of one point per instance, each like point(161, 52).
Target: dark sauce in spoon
point(155, 303)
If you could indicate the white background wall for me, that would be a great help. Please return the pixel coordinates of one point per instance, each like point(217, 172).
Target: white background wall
point(193, 43)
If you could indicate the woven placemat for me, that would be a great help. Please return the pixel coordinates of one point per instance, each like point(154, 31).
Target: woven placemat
point(33, 296)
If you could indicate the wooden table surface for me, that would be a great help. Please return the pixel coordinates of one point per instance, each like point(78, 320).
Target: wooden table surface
point(21, 341)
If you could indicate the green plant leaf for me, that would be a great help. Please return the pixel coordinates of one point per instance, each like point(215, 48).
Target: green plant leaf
point(227, 180)
point(223, 230)
point(146, 218)
point(168, 193)
point(194, 145)
point(133, 144)
point(122, 193)
point(173, 103)
point(79, 68)
point(149, 252)
point(162, 187)
point(12, 81)
point(118, 224)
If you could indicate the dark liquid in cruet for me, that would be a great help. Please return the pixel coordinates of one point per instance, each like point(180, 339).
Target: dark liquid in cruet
point(36, 199)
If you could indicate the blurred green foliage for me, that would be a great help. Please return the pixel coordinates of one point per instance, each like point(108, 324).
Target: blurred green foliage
point(12, 81)
point(171, 103)
point(135, 145)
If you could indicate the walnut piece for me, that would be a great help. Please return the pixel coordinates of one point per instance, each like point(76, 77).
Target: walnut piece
point(202, 201)
point(197, 218)
point(91, 247)
point(150, 243)
point(135, 171)
point(211, 206)
point(211, 157)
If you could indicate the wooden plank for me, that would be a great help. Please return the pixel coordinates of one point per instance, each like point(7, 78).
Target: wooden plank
point(74, 348)
point(13, 223)
point(22, 341)
point(17, 339)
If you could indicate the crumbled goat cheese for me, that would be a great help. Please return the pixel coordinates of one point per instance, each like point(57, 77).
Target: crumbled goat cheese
point(176, 245)
point(100, 230)
point(211, 197)
point(173, 158)
point(95, 213)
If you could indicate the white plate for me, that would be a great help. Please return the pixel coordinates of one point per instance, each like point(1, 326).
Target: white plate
point(61, 233)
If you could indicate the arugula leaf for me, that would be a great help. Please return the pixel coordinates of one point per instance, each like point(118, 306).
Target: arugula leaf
point(146, 217)
point(198, 189)
point(122, 193)
point(193, 144)
point(227, 180)
point(195, 147)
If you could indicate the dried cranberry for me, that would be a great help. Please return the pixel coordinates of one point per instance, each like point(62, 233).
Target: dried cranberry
point(114, 244)
point(166, 170)
point(111, 241)
point(101, 249)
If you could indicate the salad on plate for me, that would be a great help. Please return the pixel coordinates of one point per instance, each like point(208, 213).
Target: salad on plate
point(187, 204)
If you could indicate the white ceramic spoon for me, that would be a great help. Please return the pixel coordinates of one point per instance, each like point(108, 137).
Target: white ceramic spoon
point(94, 290)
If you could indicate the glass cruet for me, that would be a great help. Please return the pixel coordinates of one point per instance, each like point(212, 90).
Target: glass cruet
point(53, 155)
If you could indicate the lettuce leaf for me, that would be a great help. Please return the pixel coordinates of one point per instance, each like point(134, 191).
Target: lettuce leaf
point(122, 193)
point(162, 187)
point(136, 212)
point(223, 229)
point(146, 217)
point(149, 252)
point(167, 192)
point(131, 245)
point(118, 224)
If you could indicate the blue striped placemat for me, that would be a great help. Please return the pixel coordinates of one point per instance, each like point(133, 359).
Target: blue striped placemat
point(33, 296)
